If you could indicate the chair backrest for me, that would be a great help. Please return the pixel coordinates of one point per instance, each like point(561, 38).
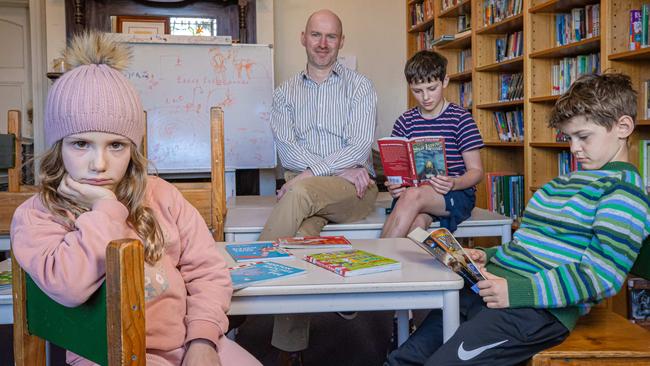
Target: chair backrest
point(209, 198)
point(109, 329)
point(16, 193)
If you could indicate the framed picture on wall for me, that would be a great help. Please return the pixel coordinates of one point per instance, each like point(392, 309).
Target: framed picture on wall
point(147, 25)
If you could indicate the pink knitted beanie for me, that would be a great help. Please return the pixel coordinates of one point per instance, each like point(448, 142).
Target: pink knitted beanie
point(94, 96)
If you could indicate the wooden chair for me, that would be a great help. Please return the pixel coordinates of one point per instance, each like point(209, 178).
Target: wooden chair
point(603, 337)
point(108, 329)
point(111, 322)
point(16, 193)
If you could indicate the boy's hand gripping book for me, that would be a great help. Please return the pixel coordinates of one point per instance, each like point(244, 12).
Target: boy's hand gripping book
point(315, 242)
point(256, 252)
point(411, 162)
point(441, 244)
point(251, 273)
point(353, 262)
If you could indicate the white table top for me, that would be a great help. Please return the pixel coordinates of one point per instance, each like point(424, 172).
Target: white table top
point(420, 272)
point(249, 213)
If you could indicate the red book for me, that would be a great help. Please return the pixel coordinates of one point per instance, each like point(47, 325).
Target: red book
point(303, 242)
point(410, 162)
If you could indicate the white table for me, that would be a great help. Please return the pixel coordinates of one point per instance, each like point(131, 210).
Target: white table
point(422, 283)
point(247, 215)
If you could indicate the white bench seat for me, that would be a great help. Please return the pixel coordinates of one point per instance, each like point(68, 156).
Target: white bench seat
point(247, 215)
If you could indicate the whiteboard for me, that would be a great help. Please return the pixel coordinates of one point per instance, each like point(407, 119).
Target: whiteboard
point(179, 80)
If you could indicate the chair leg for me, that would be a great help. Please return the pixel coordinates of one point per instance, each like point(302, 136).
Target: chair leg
point(29, 350)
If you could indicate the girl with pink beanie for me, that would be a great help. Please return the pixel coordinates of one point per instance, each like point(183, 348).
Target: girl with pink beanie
point(94, 189)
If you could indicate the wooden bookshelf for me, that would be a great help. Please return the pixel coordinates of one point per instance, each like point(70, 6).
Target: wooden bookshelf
point(422, 26)
point(514, 64)
point(537, 156)
point(463, 7)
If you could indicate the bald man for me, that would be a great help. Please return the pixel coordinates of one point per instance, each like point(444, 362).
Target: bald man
point(323, 122)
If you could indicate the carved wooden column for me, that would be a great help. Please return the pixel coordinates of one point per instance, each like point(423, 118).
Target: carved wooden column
point(243, 10)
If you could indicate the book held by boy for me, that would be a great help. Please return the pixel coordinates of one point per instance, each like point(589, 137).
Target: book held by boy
point(353, 262)
point(257, 252)
point(251, 273)
point(410, 162)
point(443, 245)
point(315, 242)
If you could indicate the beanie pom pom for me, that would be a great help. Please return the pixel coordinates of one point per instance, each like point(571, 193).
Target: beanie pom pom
point(97, 48)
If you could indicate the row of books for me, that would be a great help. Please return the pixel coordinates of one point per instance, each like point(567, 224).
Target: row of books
point(509, 46)
point(639, 27)
point(566, 163)
point(424, 40)
point(5, 277)
point(505, 193)
point(463, 23)
point(579, 24)
point(465, 95)
point(510, 125)
point(465, 60)
point(494, 11)
point(446, 4)
point(511, 86)
point(568, 69)
point(421, 12)
point(644, 163)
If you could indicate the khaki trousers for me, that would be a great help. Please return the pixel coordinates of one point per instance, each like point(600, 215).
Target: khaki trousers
point(303, 211)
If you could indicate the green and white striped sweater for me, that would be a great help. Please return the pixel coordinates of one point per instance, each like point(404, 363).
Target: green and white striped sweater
point(578, 239)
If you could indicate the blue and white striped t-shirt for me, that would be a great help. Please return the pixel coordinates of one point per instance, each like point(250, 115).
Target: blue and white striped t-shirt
point(454, 124)
point(325, 127)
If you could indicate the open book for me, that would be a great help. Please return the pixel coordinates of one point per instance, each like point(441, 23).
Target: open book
point(441, 244)
point(409, 162)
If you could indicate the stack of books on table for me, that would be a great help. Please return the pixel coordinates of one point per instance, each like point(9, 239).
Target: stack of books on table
point(261, 256)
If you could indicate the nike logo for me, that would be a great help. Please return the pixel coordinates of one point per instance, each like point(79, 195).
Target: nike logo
point(468, 355)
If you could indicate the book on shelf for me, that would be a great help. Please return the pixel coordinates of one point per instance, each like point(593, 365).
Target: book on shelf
point(495, 11)
point(465, 95)
point(644, 163)
point(257, 251)
point(636, 33)
point(509, 125)
point(646, 98)
point(511, 87)
point(251, 273)
point(442, 40)
point(567, 163)
point(314, 242)
point(463, 23)
point(353, 262)
point(505, 191)
point(410, 162)
point(443, 246)
point(5, 277)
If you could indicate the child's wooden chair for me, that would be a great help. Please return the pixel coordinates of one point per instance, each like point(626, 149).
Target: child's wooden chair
point(16, 193)
point(109, 327)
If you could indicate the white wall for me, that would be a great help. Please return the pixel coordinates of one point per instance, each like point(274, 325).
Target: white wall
point(375, 32)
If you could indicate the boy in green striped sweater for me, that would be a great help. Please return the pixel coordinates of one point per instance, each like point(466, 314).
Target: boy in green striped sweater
point(579, 237)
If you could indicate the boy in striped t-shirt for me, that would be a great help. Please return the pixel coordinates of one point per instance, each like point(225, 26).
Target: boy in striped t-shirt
point(450, 198)
point(579, 237)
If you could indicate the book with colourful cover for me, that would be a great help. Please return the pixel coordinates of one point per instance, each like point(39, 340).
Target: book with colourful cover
point(353, 262)
point(257, 252)
point(315, 242)
point(251, 273)
point(410, 162)
point(443, 245)
point(5, 277)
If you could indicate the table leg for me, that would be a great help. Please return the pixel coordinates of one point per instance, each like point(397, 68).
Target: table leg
point(506, 234)
point(229, 237)
point(450, 314)
point(402, 326)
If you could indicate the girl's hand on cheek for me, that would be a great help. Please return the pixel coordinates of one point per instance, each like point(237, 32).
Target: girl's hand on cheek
point(83, 194)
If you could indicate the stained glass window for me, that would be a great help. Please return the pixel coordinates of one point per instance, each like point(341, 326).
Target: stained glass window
point(193, 26)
